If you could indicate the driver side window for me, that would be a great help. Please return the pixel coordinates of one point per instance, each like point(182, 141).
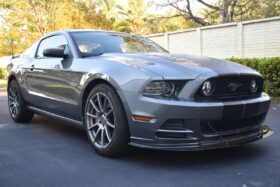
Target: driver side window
point(57, 41)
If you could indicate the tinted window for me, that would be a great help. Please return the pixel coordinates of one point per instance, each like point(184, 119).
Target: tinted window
point(92, 43)
point(30, 52)
point(58, 41)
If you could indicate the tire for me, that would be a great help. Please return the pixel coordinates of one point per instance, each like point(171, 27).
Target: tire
point(17, 108)
point(105, 122)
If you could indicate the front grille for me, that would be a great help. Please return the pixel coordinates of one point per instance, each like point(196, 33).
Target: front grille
point(171, 135)
point(214, 127)
point(174, 129)
point(223, 91)
point(174, 124)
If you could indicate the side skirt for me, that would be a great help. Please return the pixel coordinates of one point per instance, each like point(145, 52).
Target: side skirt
point(71, 122)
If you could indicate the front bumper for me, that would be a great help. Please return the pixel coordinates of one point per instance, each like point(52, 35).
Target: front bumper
point(262, 132)
point(190, 125)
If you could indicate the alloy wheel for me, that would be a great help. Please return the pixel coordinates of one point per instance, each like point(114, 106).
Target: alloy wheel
point(100, 120)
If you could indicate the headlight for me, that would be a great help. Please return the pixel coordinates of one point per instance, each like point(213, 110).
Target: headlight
point(207, 88)
point(154, 88)
point(164, 88)
point(254, 86)
point(168, 89)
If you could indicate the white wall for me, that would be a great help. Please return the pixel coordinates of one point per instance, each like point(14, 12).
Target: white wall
point(256, 38)
point(4, 61)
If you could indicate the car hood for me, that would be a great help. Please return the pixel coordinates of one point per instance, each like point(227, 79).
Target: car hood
point(177, 66)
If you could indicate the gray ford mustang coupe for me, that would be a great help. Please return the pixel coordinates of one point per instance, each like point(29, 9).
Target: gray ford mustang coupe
point(125, 90)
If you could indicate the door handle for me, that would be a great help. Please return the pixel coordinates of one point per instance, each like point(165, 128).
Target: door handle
point(57, 66)
point(32, 67)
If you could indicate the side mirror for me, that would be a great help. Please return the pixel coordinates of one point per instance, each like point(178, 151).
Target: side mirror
point(55, 52)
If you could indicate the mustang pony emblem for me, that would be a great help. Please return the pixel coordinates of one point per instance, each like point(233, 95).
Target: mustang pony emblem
point(234, 86)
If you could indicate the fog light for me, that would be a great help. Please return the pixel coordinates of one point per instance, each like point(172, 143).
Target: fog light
point(207, 88)
point(254, 86)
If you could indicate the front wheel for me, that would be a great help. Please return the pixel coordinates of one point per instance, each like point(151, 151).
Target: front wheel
point(105, 121)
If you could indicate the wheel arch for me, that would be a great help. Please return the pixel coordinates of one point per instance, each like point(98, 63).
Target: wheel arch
point(91, 84)
point(11, 77)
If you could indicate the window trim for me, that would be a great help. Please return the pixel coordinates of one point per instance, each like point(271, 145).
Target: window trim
point(49, 36)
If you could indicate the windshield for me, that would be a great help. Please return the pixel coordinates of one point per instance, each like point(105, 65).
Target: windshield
point(96, 43)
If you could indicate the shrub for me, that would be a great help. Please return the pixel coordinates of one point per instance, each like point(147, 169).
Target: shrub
point(3, 73)
point(268, 67)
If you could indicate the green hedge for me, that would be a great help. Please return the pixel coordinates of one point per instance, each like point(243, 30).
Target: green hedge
point(269, 68)
point(3, 73)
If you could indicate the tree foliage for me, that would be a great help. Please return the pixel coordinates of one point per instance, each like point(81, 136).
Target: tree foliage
point(24, 21)
point(224, 11)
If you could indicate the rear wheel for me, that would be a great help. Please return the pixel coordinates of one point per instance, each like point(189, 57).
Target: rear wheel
point(17, 108)
point(105, 121)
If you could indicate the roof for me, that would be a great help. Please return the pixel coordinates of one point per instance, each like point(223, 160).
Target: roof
point(88, 30)
point(67, 31)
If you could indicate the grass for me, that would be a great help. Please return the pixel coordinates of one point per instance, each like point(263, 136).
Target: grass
point(3, 83)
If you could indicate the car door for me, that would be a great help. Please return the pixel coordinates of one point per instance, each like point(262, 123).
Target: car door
point(51, 81)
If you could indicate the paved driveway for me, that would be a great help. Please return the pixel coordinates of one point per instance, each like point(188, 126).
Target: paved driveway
point(49, 153)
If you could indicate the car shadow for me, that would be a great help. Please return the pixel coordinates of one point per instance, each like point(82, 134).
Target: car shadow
point(167, 159)
point(58, 126)
point(183, 159)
